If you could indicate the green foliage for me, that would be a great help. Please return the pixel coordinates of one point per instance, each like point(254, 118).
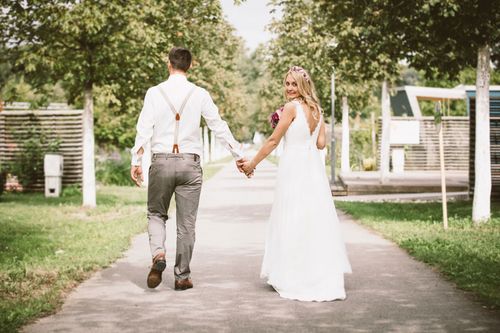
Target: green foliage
point(3, 178)
point(361, 143)
point(34, 143)
point(115, 171)
point(117, 50)
point(466, 254)
point(71, 191)
point(440, 37)
point(16, 89)
point(303, 38)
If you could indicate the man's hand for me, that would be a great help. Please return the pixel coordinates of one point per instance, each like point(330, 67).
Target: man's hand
point(136, 174)
point(240, 163)
point(246, 166)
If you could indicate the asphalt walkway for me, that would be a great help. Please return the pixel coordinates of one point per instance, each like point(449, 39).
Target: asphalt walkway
point(387, 292)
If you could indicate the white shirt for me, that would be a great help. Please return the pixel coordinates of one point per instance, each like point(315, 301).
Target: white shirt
point(157, 122)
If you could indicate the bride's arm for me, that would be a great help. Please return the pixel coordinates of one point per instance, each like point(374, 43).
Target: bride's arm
point(321, 142)
point(272, 142)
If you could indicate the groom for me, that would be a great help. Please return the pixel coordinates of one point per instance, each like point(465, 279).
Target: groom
point(170, 118)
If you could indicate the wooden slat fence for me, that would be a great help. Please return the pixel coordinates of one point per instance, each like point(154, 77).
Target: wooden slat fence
point(66, 125)
point(425, 155)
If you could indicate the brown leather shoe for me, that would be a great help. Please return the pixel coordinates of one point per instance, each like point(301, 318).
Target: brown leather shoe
point(183, 284)
point(154, 276)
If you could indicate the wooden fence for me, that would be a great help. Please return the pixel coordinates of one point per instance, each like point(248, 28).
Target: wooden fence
point(425, 155)
point(56, 122)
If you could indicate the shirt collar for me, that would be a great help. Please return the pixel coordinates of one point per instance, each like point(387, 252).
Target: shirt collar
point(177, 77)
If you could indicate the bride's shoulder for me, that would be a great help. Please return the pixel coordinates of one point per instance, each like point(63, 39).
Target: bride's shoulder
point(289, 110)
point(289, 106)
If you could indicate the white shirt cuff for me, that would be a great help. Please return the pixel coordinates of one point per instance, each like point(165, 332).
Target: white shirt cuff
point(136, 160)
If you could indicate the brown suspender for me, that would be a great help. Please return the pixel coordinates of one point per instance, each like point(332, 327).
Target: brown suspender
point(175, 148)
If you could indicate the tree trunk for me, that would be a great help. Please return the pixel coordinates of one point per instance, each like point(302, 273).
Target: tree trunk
point(89, 192)
point(344, 162)
point(385, 140)
point(482, 162)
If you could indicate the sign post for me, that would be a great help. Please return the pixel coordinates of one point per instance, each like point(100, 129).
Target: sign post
point(332, 142)
point(438, 120)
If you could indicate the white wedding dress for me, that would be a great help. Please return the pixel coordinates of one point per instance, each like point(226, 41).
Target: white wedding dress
point(305, 257)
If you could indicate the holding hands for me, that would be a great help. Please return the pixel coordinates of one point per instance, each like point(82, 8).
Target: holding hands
point(246, 166)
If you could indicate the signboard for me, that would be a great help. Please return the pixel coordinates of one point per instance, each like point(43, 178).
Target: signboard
point(404, 132)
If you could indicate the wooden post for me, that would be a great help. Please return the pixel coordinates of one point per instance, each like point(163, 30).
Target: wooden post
point(439, 125)
point(344, 162)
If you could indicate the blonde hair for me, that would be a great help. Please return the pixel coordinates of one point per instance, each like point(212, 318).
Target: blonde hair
point(305, 88)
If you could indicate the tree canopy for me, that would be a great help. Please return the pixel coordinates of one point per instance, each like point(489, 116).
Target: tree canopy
point(119, 48)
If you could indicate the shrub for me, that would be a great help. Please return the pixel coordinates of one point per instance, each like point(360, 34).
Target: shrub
point(28, 164)
point(114, 171)
point(3, 178)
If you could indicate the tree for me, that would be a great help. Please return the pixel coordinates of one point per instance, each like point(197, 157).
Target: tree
point(303, 38)
point(434, 36)
point(84, 44)
point(117, 48)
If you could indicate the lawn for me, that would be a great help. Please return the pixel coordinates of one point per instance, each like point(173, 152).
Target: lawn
point(465, 254)
point(48, 246)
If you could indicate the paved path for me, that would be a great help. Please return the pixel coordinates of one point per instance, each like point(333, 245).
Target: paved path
point(387, 292)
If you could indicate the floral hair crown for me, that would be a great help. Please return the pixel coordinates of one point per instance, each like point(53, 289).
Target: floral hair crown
point(300, 70)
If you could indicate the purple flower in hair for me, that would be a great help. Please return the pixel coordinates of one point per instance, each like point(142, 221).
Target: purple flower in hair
point(300, 70)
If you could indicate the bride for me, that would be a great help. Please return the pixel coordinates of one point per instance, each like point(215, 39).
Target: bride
point(305, 257)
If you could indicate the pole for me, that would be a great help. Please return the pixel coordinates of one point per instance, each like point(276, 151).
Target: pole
point(344, 153)
point(374, 138)
point(439, 124)
point(332, 142)
point(385, 145)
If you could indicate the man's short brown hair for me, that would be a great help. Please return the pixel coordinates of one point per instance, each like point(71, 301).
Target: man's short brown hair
point(180, 58)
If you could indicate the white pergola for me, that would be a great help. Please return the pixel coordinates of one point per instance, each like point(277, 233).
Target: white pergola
point(415, 94)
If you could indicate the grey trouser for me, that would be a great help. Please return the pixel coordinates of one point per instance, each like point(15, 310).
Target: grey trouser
point(182, 174)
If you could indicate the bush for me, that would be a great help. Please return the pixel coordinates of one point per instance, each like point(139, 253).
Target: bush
point(71, 191)
point(114, 171)
point(28, 164)
point(3, 179)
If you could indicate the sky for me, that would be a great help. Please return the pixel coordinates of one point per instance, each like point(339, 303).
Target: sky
point(249, 19)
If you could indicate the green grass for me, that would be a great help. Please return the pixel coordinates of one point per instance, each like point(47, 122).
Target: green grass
point(48, 246)
point(466, 254)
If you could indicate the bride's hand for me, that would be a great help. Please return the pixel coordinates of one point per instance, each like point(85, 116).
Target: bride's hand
point(248, 167)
